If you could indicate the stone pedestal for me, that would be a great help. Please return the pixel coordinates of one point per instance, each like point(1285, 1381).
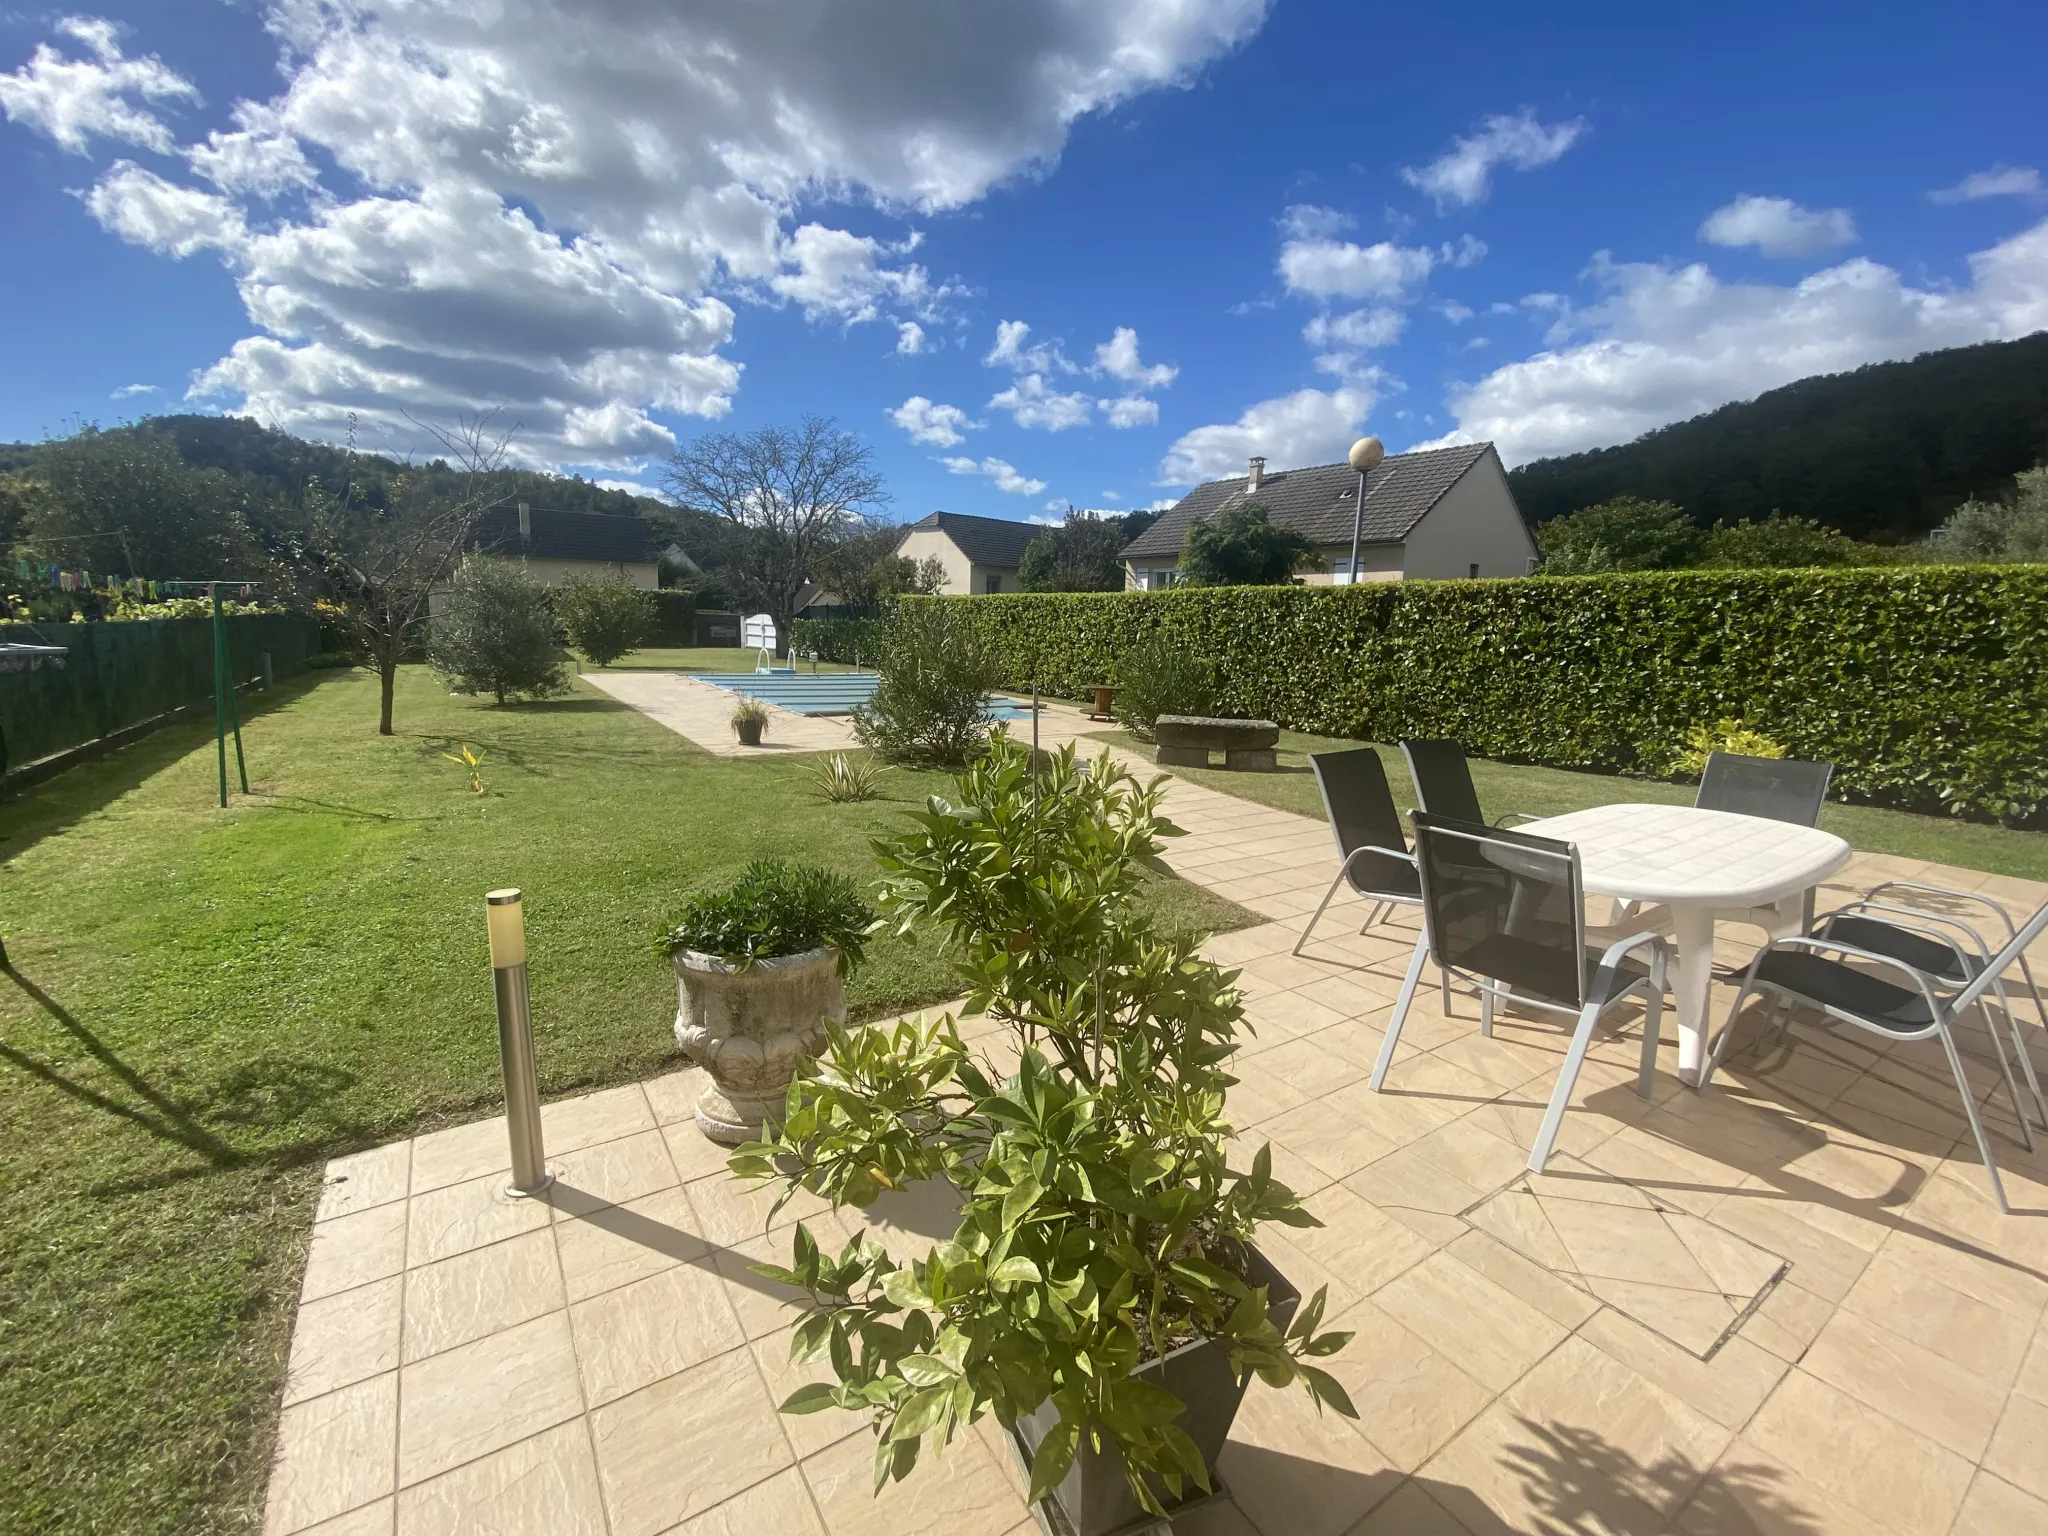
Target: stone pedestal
point(746, 1029)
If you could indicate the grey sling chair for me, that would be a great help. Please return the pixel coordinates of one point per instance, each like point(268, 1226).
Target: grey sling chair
point(1889, 998)
point(1372, 849)
point(1443, 782)
point(1507, 912)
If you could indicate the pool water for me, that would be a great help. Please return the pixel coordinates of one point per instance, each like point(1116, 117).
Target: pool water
point(826, 693)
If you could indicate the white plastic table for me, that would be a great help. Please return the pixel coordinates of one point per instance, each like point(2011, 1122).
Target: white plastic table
point(1696, 863)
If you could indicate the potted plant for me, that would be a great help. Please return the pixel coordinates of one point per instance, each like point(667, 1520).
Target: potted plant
point(1103, 1295)
point(760, 973)
point(749, 720)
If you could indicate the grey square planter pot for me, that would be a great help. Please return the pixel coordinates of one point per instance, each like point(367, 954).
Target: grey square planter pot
point(1094, 1499)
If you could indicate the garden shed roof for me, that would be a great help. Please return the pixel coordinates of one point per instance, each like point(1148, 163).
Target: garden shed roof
point(1319, 499)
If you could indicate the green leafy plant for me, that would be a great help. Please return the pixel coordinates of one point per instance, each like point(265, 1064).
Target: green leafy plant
point(1158, 678)
point(842, 778)
point(497, 633)
point(1242, 546)
point(1724, 735)
point(604, 619)
point(749, 714)
point(1102, 1225)
point(852, 642)
point(1625, 534)
point(935, 680)
point(774, 909)
point(2012, 530)
point(473, 760)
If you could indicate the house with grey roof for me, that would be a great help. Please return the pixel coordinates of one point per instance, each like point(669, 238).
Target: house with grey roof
point(1440, 514)
point(560, 546)
point(979, 554)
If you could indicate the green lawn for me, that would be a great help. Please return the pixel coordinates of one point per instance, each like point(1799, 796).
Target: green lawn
point(210, 1003)
point(1505, 787)
point(705, 658)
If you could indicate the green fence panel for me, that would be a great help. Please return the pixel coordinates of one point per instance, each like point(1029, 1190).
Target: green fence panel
point(120, 674)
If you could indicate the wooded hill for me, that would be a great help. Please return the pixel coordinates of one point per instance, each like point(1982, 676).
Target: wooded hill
point(1883, 453)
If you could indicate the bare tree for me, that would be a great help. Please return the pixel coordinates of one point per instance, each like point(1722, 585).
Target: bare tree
point(377, 565)
point(794, 492)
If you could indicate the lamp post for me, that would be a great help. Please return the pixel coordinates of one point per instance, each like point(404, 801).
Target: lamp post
point(505, 915)
point(1366, 454)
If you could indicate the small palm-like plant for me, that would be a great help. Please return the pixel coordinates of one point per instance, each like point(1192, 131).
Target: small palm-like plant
point(843, 777)
point(473, 760)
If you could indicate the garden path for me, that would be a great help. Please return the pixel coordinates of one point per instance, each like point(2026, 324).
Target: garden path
point(1785, 1305)
point(702, 715)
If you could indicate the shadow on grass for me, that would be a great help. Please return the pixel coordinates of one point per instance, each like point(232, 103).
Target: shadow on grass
point(53, 806)
point(538, 760)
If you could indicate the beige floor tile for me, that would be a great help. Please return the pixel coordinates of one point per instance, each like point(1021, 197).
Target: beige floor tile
point(781, 1506)
point(568, 1125)
point(686, 1444)
point(1294, 1472)
point(1219, 1517)
point(1411, 1399)
point(334, 1455)
point(1983, 1273)
point(1898, 1292)
point(1564, 1304)
point(672, 1097)
point(763, 1306)
point(1993, 1507)
point(1751, 1492)
point(1493, 1335)
point(695, 1155)
point(618, 1244)
point(1727, 1389)
point(481, 1292)
point(958, 1493)
point(611, 1173)
point(2033, 1376)
point(355, 1249)
point(731, 1211)
point(1505, 1473)
point(1336, 1133)
point(344, 1338)
point(1821, 1262)
point(2019, 1448)
point(1674, 1174)
point(1949, 1404)
point(467, 1402)
point(1361, 1246)
point(460, 1217)
point(545, 1486)
point(1787, 1321)
point(1410, 1511)
point(1417, 1192)
point(461, 1153)
point(1859, 1456)
point(1311, 1064)
point(638, 1334)
point(378, 1519)
point(807, 1432)
point(364, 1179)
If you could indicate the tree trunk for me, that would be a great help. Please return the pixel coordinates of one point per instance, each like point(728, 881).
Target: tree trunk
point(387, 672)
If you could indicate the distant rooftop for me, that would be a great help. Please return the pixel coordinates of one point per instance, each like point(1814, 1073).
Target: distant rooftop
point(983, 540)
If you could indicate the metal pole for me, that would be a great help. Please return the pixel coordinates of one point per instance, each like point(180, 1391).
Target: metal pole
point(220, 717)
point(1357, 525)
point(507, 922)
point(227, 666)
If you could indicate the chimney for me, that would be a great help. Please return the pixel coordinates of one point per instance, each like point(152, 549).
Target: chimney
point(525, 522)
point(1255, 477)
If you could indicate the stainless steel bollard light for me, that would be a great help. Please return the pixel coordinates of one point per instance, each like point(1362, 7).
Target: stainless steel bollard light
point(507, 920)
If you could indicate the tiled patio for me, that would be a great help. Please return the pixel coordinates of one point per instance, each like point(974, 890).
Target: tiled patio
point(1787, 1305)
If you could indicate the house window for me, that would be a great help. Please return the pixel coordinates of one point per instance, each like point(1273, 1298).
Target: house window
point(1161, 580)
point(1473, 573)
point(992, 582)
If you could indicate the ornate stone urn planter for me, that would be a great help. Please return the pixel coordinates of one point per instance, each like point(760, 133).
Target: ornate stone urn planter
point(747, 1027)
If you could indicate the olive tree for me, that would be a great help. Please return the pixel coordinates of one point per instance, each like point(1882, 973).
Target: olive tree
point(495, 632)
point(604, 619)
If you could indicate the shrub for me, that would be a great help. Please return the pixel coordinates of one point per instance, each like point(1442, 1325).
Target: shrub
point(675, 618)
point(496, 634)
point(1625, 534)
point(1162, 678)
point(1102, 1221)
point(1242, 546)
point(851, 642)
point(774, 909)
point(604, 619)
point(935, 682)
point(1922, 683)
point(1724, 735)
point(2015, 530)
point(843, 778)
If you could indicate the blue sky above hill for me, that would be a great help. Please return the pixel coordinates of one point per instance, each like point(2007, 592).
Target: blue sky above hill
point(1042, 253)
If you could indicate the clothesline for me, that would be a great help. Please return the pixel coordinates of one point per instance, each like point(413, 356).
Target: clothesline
point(134, 586)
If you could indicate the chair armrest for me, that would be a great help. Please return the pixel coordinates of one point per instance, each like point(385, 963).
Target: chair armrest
point(1660, 954)
point(1501, 821)
point(2004, 915)
point(1923, 923)
point(1836, 946)
point(1392, 853)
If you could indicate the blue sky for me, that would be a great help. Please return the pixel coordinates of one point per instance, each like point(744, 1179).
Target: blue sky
point(1227, 227)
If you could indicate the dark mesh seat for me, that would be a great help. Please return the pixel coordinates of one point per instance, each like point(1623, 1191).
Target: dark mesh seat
point(1372, 846)
point(1775, 788)
point(1505, 911)
point(1443, 782)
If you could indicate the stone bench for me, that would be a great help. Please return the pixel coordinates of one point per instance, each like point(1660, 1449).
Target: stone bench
point(1185, 741)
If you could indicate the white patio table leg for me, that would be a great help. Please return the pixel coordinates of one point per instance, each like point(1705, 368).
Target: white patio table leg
point(1692, 981)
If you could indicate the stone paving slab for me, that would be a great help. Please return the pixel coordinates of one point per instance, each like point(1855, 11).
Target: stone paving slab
point(1805, 1316)
point(702, 715)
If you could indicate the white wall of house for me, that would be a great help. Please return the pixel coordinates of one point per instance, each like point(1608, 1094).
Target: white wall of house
point(962, 575)
point(1376, 562)
point(1473, 530)
point(554, 572)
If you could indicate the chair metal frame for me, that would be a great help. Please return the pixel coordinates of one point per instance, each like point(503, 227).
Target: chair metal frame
point(1944, 1009)
point(1383, 902)
point(1596, 996)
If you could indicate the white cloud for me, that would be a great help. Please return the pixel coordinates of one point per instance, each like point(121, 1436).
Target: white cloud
point(1777, 226)
point(77, 100)
point(1118, 357)
point(1664, 343)
point(1310, 426)
point(610, 163)
point(1325, 268)
point(1009, 351)
point(1454, 312)
point(129, 391)
point(1001, 472)
point(1462, 175)
point(1999, 181)
point(1358, 328)
point(910, 340)
point(1031, 402)
point(939, 425)
point(1131, 411)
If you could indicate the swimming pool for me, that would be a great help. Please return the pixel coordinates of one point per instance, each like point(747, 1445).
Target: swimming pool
point(826, 693)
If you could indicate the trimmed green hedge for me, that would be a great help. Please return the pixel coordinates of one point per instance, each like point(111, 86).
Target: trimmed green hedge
point(675, 618)
point(1926, 686)
point(855, 642)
